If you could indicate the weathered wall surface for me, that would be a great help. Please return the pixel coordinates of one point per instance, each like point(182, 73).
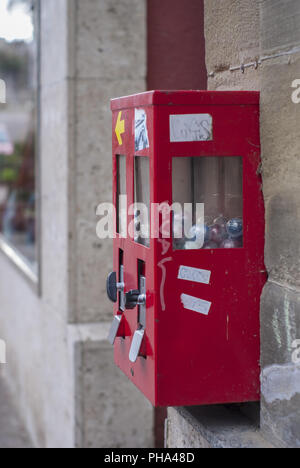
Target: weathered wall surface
point(119, 420)
point(280, 312)
point(212, 427)
point(110, 61)
point(232, 39)
point(240, 32)
point(59, 365)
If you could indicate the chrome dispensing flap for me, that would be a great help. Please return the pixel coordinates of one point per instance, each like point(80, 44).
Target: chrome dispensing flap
point(114, 329)
point(136, 345)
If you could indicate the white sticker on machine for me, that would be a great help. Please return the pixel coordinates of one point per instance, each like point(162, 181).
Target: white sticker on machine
point(191, 127)
point(141, 138)
point(194, 274)
point(195, 304)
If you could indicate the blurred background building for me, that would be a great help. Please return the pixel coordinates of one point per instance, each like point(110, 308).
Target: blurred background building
point(62, 61)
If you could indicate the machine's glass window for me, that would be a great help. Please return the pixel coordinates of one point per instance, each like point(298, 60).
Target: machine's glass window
point(18, 125)
point(121, 194)
point(142, 200)
point(209, 191)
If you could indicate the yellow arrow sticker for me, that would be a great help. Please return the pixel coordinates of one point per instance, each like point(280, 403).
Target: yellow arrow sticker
point(120, 128)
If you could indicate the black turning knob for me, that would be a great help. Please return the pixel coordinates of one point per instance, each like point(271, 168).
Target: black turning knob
point(132, 299)
point(111, 287)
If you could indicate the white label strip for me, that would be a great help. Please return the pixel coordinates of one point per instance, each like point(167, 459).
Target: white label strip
point(195, 304)
point(194, 274)
point(191, 127)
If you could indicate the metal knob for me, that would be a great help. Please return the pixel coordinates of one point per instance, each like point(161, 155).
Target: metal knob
point(132, 298)
point(113, 287)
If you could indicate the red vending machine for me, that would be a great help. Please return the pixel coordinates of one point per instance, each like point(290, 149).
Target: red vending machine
point(189, 245)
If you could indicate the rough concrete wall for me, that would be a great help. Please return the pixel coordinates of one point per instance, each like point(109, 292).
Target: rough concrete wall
point(118, 421)
point(212, 427)
point(13, 433)
point(232, 39)
point(280, 313)
point(110, 61)
point(279, 25)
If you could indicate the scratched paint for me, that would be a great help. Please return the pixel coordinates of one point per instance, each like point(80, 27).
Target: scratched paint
point(194, 274)
point(287, 318)
point(227, 328)
point(161, 265)
point(165, 245)
point(276, 327)
point(195, 304)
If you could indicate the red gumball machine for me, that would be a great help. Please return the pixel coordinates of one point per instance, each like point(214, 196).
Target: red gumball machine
point(189, 245)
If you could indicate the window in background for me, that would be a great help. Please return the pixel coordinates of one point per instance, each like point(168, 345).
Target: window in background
point(18, 125)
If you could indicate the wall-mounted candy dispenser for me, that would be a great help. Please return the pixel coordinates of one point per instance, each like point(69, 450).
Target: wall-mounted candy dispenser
point(187, 282)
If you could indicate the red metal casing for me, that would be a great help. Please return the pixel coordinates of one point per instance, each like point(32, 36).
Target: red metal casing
point(192, 359)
